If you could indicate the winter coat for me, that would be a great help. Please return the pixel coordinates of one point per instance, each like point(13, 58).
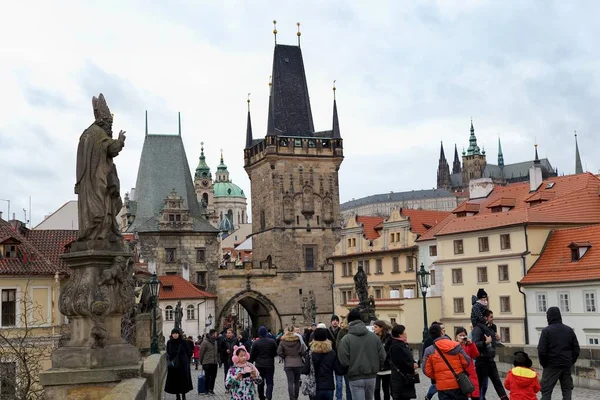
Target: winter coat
point(179, 380)
point(243, 389)
point(487, 351)
point(325, 362)
point(402, 359)
point(477, 311)
point(522, 383)
point(558, 346)
point(291, 350)
point(263, 352)
point(226, 344)
point(361, 352)
point(341, 333)
point(333, 335)
point(209, 351)
point(435, 367)
point(386, 341)
point(196, 354)
point(471, 350)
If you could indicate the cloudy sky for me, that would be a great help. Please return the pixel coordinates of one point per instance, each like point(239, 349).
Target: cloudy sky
point(409, 75)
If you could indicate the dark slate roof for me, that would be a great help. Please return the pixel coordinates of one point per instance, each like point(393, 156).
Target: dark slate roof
point(456, 180)
point(514, 170)
point(401, 196)
point(289, 108)
point(164, 167)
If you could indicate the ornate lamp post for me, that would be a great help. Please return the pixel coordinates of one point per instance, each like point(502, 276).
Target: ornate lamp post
point(154, 287)
point(423, 276)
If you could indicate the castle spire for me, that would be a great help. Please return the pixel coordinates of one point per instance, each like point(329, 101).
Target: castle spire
point(473, 149)
point(500, 155)
point(336, 122)
point(442, 155)
point(443, 172)
point(202, 170)
point(249, 127)
point(222, 172)
point(578, 165)
point(456, 164)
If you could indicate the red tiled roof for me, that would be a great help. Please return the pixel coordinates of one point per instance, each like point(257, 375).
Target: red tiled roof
point(369, 224)
point(422, 220)
point(554, 264)
point(174, 287)
point(52, 243)
point(576, 199)
point(467, 206)
point(503, 202)
point(29, 260)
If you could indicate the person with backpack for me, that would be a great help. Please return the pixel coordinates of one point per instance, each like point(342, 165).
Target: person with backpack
point(324, 364)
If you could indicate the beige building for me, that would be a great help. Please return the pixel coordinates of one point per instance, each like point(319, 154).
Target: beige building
point(491, 240)
point(387, 251)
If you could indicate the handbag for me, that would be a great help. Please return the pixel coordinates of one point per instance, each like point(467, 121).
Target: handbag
point(174, 362)
point(465, 384)
point(309, 384)
point(409, 379)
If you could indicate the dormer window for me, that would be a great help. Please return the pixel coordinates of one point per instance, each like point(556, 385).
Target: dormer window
point(578, 250)
point(10, 250)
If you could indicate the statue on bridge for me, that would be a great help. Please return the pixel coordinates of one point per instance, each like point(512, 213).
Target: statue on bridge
point(366, 303)
point(178, 315)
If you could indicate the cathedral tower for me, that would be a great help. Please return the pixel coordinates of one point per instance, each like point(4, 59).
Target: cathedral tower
point(474, 161)
point(443, 172)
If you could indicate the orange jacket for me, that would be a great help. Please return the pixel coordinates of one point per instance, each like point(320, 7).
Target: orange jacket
point(436, 368)
point(522, 383)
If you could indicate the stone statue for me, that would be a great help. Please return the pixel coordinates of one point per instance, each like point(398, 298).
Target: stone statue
point(312, 306)
point(306, 313)
point(366, 303)
point(178, 315)
point(97, 185)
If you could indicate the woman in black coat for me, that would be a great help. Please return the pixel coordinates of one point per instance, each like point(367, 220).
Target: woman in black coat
point(403, 366)
point(179, 377)
point(325, 363)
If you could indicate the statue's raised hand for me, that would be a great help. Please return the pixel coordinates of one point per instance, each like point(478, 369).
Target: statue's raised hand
point(122, 136)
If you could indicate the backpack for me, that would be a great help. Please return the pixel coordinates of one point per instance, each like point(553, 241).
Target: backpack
point(309, 384)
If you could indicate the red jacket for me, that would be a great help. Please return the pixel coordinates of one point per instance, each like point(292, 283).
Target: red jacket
point(473, 353)
point(522, 383)
point(196, 350)
point(436, 368)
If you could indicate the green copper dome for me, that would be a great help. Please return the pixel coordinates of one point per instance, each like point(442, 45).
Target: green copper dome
point(202, 171)
point(227, 189)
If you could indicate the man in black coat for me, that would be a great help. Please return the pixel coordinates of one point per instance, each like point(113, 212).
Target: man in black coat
point(226, 350)
point(262, 354)
point(485, 365)
point(558, 350)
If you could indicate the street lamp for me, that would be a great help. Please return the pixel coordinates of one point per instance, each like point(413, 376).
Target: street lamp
point(423, 276)
point(154, 287)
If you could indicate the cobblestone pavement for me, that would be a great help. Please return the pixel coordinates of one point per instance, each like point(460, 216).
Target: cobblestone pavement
point(280, 389)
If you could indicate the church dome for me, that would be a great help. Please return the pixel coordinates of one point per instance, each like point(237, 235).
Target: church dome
point(227, 189)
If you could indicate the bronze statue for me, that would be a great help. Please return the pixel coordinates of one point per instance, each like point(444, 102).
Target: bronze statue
point(361, 285)
point(178, 315)
point(97, 186)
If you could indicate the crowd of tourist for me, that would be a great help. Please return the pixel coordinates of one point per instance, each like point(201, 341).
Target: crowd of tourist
point(373, 363)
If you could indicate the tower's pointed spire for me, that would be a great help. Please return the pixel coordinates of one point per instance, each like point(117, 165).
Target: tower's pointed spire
point(443, 173)
point(442, 155)
point(249, 127)
point(456, 164)
point(336, 122)
point(473, 148)
point(202, 170)
point(578, 165)
point(146, 122)
point(500, 155)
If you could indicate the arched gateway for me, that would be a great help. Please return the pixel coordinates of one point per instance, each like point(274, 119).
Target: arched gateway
point(258, 309)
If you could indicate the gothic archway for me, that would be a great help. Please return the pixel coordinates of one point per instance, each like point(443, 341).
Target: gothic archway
point(259, 308)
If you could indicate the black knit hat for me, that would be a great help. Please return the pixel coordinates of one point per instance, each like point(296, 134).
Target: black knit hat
point(335, 318)
point(481, 294)
point(353, 315)
point(522, 360)
point(320, 335)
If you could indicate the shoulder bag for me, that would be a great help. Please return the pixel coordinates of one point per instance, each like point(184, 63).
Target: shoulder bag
point(174, 362)
point(309, 384)
point(410, 379)
point(465, 384)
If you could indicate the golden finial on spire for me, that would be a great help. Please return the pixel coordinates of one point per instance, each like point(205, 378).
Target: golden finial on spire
point(275, 30)
point(334, 89)
point(248, 102)
point(299, 33)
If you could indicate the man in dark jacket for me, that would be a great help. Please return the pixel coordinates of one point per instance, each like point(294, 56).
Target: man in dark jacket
point(209, 356)
point(363, 354)
point(262, 354)
point(226, 350)
point(558, 350)
point(485, 365)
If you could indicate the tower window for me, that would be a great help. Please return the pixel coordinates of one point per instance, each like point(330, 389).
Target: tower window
point(262, 220)
point(309, 258)
point(170, 255)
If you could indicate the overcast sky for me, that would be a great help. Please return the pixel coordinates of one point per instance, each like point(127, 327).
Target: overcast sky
point(409, 75)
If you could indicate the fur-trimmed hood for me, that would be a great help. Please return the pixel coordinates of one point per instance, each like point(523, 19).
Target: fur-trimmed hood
point(319, 347)
point(290, 337)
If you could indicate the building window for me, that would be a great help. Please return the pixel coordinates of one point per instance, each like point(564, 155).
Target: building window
point(170, 255)
point(346, 296)
point(563, 302)
point(505, 335)
point(542, 302)
point(392, 238)
point(201, 279)
point(378, 266)
point(297, 220)
point(353, 242)
point(344, 272)
point(397, 236)
point(432, 251)
point(200, 255)
point(484, 244)
point(482, 276)
point(589, 299)
point(10, 251)
point(503, 273)
point(367, 267)
point(8, 380)
point(432, 277)
point(593, 340)
point(263, 220)
point(458, 247)
point(378, 293)
point(168, 313)
point(505, 241)
point(504, 304)
point(409, 264)
point(309, 257)
point(191, 312)
point(459, 305)
point(395, 264)
point(457, 276)
point(393, 321)
point(9, 307)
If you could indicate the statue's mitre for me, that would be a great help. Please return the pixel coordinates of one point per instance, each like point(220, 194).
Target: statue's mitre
point(101, 110)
